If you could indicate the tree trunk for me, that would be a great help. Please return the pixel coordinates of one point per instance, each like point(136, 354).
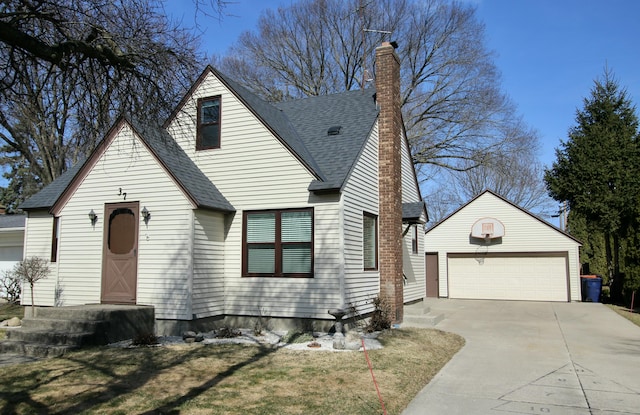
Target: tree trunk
point(617, 283)
point(33, 307)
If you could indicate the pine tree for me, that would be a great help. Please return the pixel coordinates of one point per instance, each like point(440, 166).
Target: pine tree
point(596, 170)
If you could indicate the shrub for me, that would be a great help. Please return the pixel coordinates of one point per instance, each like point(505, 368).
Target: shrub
point(227, 333)
point(381, 316)
point(144, 339)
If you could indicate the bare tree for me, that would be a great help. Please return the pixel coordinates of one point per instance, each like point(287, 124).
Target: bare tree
point(70, 67)
point(453, 109)
point(30, 271)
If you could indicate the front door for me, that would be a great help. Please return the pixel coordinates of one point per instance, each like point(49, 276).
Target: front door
point(120, 253)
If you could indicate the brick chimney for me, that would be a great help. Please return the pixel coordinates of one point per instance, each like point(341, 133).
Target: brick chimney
point(390, 178)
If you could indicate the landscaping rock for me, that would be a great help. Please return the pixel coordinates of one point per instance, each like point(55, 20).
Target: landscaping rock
point(192, 336)
point(352, 340)
point(14, 322)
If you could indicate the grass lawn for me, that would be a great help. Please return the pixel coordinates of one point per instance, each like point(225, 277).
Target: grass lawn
point(634, 316)
point(228, 379)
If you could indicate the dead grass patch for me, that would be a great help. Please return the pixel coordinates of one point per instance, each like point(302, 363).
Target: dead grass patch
point(634, 316)
point(230, 379)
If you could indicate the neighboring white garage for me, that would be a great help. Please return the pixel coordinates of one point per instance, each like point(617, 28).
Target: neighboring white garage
point(492, 249)
point(11, 240)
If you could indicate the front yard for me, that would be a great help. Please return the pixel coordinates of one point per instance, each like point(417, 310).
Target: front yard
point(229, 379)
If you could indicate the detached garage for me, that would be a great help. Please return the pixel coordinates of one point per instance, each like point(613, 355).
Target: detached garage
point(491, 248)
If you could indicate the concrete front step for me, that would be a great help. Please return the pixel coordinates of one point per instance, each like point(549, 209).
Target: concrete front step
point(55, 330)
point(420, 315)
point(424, 320)
point(56, 324)
point(33, 349)
point(58, 338)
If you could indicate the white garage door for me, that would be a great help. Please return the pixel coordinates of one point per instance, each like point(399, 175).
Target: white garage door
point(508, 277)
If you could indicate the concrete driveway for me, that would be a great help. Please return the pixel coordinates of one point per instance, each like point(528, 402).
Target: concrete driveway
point(535, 358)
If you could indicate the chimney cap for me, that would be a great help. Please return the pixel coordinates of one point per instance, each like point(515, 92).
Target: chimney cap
point(393, 44)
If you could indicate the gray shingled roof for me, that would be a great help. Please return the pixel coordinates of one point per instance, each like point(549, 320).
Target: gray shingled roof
point(48, 196)
point(12, 221)
point(275, 119)
point(354, 111)
point(169, 153)
point(301, 124)
point(412, 212)
point(185, 171)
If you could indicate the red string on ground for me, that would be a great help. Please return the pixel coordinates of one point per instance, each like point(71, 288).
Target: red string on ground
point(366, 356)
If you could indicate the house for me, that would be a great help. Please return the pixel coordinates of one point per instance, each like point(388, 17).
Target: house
point(11, 240)
point(236, 208)
point(491, 248)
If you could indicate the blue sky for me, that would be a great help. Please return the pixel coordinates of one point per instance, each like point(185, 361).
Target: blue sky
point(548, 51)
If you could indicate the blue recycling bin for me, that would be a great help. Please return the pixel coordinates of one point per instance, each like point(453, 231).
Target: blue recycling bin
point(591, 289)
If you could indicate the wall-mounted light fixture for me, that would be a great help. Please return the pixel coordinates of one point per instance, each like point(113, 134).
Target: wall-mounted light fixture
point(93, 217)
point(146, 215)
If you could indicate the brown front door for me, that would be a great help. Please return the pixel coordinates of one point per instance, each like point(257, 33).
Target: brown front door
point(120, 253)
point(432, 275)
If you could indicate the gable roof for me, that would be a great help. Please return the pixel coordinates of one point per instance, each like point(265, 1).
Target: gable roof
point(300, 125)
point(191, 180)
point(539, 219)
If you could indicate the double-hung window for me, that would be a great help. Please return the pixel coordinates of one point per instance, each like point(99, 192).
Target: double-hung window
point(370, 241)
point(208, 123)
point(278, 243)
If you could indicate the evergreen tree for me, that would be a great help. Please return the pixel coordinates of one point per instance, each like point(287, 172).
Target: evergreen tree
point(596, 170)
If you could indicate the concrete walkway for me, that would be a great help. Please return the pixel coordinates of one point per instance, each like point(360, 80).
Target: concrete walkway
point(535, 358)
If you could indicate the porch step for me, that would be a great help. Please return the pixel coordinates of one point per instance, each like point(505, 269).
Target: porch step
point(420, 315)
point(425, 320)
point(55, 330)
point(17, 347)
point(58, 324)
point(58, 338)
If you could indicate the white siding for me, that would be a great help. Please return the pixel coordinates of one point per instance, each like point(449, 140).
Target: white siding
point(208, 264)
point(413, 264)
point(409, 182)
point(38, 233)
point(360, 195)
point(164, 244)
point(523, 234)
point(255, 171)
point(413, 267)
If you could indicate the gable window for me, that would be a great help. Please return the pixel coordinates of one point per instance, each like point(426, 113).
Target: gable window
point(278, 243)
point(208, 123)
point(55, 237)
point(370, 241)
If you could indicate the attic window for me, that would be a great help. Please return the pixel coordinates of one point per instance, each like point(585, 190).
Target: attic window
point(208, 123)
point(335, 130)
